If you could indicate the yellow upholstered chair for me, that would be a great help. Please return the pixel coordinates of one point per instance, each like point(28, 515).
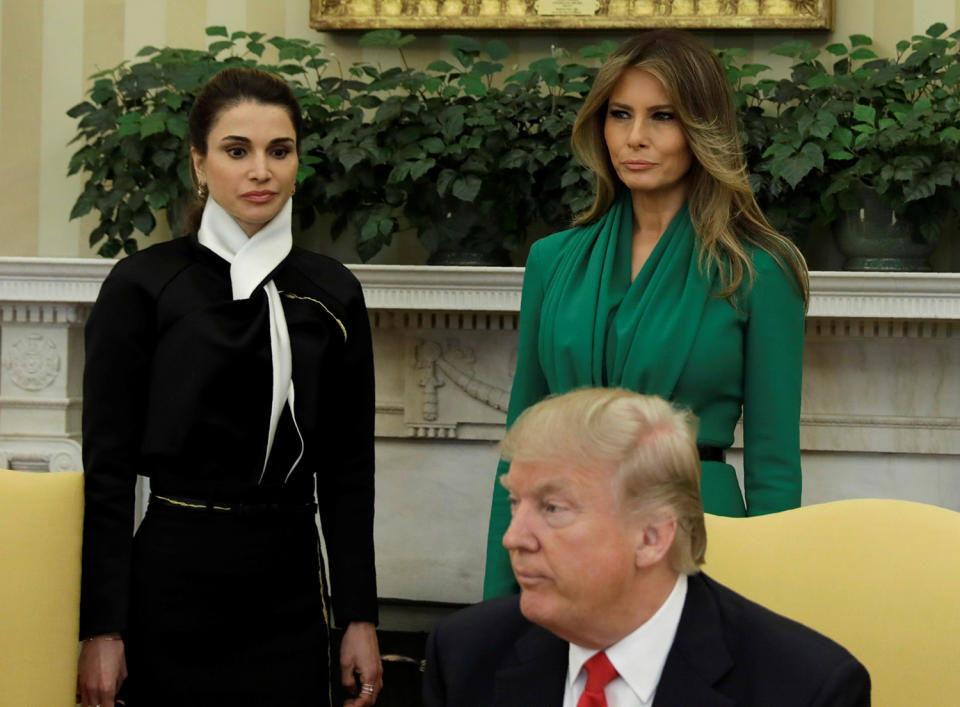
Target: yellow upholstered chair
point(880, 577)
point(41, 516)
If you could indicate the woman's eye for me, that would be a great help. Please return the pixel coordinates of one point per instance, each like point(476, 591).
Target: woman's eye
point(281, 152)
point(236, 152)
point(618, 114)
point(663, 115)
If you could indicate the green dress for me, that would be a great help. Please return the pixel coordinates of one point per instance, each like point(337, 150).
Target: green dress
point(584, 323)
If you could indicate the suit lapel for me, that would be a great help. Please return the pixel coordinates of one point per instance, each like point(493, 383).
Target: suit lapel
point(699, 657)
point(536, 672)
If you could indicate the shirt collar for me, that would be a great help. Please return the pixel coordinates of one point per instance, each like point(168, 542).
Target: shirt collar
point(639, 656)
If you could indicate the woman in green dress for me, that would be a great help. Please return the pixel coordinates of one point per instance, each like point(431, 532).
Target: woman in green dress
point(672, 283)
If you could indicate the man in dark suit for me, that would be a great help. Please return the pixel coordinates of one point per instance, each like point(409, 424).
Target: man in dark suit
point(606, 539)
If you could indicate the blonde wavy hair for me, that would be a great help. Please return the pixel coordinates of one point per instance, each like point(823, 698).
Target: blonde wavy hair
point(650, 446)
point(725, 215)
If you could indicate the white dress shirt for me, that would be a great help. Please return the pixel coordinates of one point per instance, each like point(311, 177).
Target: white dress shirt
point(639, 657)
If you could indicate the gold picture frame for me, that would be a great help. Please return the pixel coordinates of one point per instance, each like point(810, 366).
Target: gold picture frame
point(570, 14)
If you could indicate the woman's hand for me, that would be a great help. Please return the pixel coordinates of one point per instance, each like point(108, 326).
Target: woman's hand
point(360, 667)
point(101, 670)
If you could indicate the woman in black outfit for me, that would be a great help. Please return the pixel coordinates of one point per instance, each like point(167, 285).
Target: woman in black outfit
point(236, 372)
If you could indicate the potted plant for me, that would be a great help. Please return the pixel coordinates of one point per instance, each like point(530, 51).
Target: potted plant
point(871, 145)
point(464, 156)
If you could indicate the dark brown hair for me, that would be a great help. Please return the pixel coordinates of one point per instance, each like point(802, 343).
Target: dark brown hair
point(724, 212)
point(223, 91)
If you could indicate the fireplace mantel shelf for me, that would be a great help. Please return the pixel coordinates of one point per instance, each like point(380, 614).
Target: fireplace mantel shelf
point(922, 296)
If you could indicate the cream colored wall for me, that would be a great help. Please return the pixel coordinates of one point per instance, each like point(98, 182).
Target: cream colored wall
point(48, 47)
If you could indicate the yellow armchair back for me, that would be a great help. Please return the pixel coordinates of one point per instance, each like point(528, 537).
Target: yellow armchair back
point(41, 516)
point(880, 577)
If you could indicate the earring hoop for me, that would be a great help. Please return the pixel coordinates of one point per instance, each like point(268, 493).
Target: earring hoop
point(202, 191)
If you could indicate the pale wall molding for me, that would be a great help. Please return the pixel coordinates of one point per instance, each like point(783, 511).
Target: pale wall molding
point(925, 296)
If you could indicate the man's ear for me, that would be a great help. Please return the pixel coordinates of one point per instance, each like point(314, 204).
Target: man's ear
point(654, 539)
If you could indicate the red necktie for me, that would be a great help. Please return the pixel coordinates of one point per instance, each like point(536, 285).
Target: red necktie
point(600, 671)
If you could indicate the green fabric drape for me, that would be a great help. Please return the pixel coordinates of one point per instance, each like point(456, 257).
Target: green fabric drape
point(584, 322)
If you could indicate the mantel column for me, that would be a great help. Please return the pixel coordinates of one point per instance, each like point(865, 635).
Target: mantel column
point(41, 370)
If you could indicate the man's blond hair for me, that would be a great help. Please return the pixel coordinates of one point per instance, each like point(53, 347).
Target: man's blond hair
point(650, 446)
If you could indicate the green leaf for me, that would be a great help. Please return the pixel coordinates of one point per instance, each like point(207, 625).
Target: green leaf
point(103, 91)
point(451, 122)
point(177, 124)
point(860, 40)
point(496, 49)
point(421, 167)
point(217, 31)
point(794, 169)
point(813, 153)
point(840, 155)
point(865, 114)
point(464, 44)
point(441, 66)
point(950, 134)
point(352, 156)
point(863, 53)
point(152, 124)
point(837, 49)
point(147, 50)
point(144, 221)
point(433, 145)
point(80, 109)
point(445, 180)
point(792, 49)
point(256, 48)
point(164, 158)
point(217, 47)
point(129, 124)
point(935, 30)
point(110, 248)
point(472, 85)
point(467, 187)
point(391, 38)
point(173, 100)
point(388, 111)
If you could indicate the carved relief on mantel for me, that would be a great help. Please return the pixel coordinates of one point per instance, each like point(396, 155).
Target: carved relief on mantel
point(443, 375)
point(32, 362)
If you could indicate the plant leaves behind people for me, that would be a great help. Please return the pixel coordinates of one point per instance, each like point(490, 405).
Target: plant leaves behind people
point(467, 187)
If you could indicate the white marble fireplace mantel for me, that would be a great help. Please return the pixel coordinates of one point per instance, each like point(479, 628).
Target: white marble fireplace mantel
point(881, 397)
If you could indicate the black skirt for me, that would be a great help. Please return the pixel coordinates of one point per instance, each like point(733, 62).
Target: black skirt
point(227, 608)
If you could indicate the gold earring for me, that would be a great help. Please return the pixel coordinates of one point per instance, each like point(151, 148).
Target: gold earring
point(202, 191)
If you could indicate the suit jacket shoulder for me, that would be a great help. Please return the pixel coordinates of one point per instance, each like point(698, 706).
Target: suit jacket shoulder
point(731, 651)
point(489, 654)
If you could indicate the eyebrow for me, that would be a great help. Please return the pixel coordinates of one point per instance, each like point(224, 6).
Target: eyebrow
point(662, 106)
point(541, 488)
point(241, 138)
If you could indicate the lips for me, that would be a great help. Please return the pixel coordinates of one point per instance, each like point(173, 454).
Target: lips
point(525, 579)
point(638, 164)
point(258, 196)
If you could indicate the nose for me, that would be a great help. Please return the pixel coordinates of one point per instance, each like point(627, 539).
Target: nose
point(638, 134)
point(260, 170)
point(520, 534)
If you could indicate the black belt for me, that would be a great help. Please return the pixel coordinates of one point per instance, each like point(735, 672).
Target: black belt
point(195, 504)
point(712, 454)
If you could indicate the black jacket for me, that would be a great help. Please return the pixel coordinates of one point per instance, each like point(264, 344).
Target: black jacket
point(727, 651)
point(177, 386)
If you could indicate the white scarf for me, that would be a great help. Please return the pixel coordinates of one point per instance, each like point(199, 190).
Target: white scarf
point(251, 260)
